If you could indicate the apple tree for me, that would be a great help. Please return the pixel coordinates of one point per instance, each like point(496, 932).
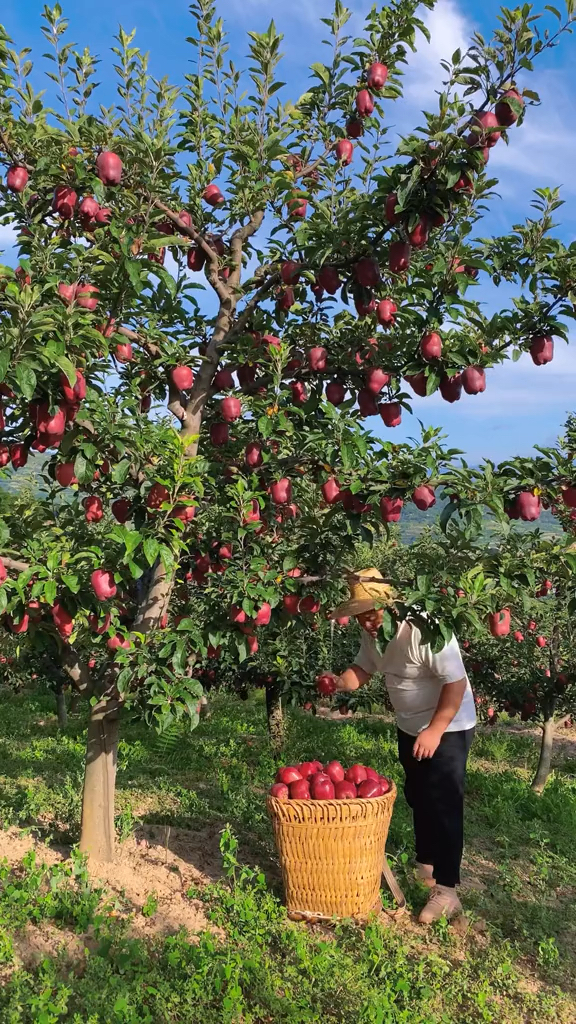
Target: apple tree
point(216, 288)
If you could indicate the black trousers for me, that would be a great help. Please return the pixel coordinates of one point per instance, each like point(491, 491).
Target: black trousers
point(434, 789)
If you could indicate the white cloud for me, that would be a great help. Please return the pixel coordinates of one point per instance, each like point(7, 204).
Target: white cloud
point(449, 30)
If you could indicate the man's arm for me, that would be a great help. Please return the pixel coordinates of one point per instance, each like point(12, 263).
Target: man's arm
point(451, 696)
point(351, 679)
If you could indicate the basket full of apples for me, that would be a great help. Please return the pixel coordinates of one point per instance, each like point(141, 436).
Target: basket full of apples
point(330, 825)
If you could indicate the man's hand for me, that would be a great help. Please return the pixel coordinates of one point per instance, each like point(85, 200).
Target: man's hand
point(427, 743)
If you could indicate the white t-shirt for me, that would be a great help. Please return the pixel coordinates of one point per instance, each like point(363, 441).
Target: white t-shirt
point(415, 677)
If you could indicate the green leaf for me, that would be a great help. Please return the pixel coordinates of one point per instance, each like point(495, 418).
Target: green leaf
point(151, 548)
point(135, 571)
point(4, 362)
point(72, 582)
point(66, 366)
point(120, 471)
point(50, 591)
point(26, 378)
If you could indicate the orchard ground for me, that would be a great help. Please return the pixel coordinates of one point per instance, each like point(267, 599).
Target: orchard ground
point(72, 949)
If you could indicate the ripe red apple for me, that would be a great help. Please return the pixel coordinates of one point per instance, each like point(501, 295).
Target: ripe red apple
point(93, 509)
point(390, 509)
point(290, 272)
point(464, 184)
point(569, 496)
point(367, 272)
point(86, 296)
point(237, 614)
point(356, 774)
point(280, 791)
point(528, 506)
point(499, 622)
point(451, 388)
point(376, 379)
point(300, 790)
point(18, 455)
point(345, 791)
point(391, 413)
point(196, 258)
point(253, 455)
point(377, 75)
point(74, 394)
point(385, 312)
point(157, 495)
point(331, 491)
point(424, 497)
point(247, 374)
point(88, 209)
point(385, 785)
point(64, 202)
point(364, 307)
point(317, 358)
point(307, 769)
point(369, 789)
point(335, 392)
point(251, 643)
point(297, 206)
point(121, 509)
point(483, 124)
point(288, 774)
point(230, 408)
point(67, 292)
point(290, 603)
point(431, 346)
point(263, 615)
point(65, 474)
point(20, 626)
point(285, 299)
point(103, 215)
point(281, 491)
point(223, 380)
point(115, 642)
point(103, 584)
point(321, 787)
point(474, 380)
point(335, 771)
point(354, 127)
point(541, 641)
point(399, 257)
point(418, 237)
point(390, 208)
point(344, 151)
point(182, 377)
point(109, 168)
point(326, 684)
point(124, 352)
point(371, 773)
point(4, 455)
point(329, 279)
point(309, 604)
point(183, 511)
point(417, 382)
point(367, 403)
point(542, 349)
point(17, 178)
point(518, 636)
point(212, 195)
point(364, 103)
point(253, 516)
point(505, 115)
point(62, 619)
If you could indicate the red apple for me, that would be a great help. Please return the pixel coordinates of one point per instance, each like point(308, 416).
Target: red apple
point(64, 202)
point(317, 358)
point(121, 509)
point(390, 208)
point(124, 352)
point(335, 771)
point(20, 626)
point(464, 184)
point(263, 615)
point(344, 151)
point(376, 379)
point(399, 257)
point(18, 455)
point(474, 380)
point(331, 491)
point(290, 603)
point(345, 791)
point(65, 474)
point(354, 128)
point(223, 380)
point(67, 292)
point(377, 75)
point(367, 403)
point(364, 307)
point(326, 684)
point(451, 388)
point(483, 124)
point(288, 774)
point(417, 382)
point(321, 787)
point(297, 206)
point(74, 394)
point(230, 408)
point(367, 272)
point(418, 237)
point(371, 773)
point(281, 491)
point(88, 209)
point(196, 258)
point(518, 636)
point(307, 768)
point(431, 346)
point(391, 413)
point(385, 785)
point(103, 584)
point(253, 455)
point(4, 455)
point(62, 619)
point(310, 605)
point(499, 622)
point(329, 279)
point(103, 215)
point(542, 349)
point(86, 296)
point(212, 195)
point(300, 790)
point(364, 103)
point(157, 495)
point(335, 392)
point(182, 377)
point(356, 774)
point(505, 115)
point(369, 789)
point(280, 791)
point(541, 641)
point(569, 496)
point(290, 272)
point(390, 509)
point(528, 506)
point(17, 178)
point(115, 642)
point(184, 511)
point(385, 312)
point(424, 497)
point(93, 509)
point(109, 168)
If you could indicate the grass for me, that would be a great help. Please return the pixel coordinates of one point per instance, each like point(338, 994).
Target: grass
point(515, 963)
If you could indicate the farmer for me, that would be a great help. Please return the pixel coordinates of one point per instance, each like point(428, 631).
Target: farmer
point(435, 714)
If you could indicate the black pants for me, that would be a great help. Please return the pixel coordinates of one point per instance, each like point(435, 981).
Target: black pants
point(434, 789)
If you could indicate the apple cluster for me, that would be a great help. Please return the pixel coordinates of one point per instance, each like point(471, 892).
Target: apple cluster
point(312, 781)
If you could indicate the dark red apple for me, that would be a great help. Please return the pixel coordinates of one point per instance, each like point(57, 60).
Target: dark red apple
point(335, 771)
point(451, 388)
point(484, 124)
point(88, 209)
point(354, 128)
point(385, 785)
point(247, 374)
point(196, 258)
point(121, 509)
point(344, 151)
point(76, 393)
point(385, 312)
point(391, 413)
point(307, 768)
point(431, 346)
point(290, 603)
point(109, 168)
point(417, 382)
point(377, 75)
point(223, 380)
point(299, 395)
point(280, 791)
point(505, 115)
point(64, 201)
point(367, 403)
point(103, 215)
point(321, 787)
point(367, 272)
point(281, 491)
point(65, 474)
point(300, 790)
point(329, 279)
point(356, 774)
point(399, 257)
point(219, 434)
point(474, 380)
point(103, 584)
point(253, 455)
point(212, 195)
point(345, 791)
point(371, 773)
point(369, 789)
point(418, 237)
point(390, 509)
point(230, 408)
point(331, 491)
point(18, 455)
point(390, 208)
point(424, 497)
point(542, 349)
point(335, 392)
point(124, 352)
point(310, 605)
point(290, 272)
point(326, 684)
point(17, 178)
point(182, 377)
point(157, 496)
point(464, 184)
point(364, 103)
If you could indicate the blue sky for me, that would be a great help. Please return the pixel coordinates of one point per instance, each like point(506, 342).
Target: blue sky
point(523, 404)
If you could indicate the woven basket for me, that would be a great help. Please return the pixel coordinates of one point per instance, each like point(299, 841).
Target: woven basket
point(331, 854)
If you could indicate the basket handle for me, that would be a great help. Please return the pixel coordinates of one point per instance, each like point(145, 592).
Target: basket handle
point(395, 889)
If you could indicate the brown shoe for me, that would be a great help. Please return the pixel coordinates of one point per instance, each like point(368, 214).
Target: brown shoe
point(425, 874)
point(443, 902)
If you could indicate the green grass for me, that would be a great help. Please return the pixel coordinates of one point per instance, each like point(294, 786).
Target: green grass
point(516, 963)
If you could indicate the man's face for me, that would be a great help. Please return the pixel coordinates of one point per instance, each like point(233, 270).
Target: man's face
point(371, 620)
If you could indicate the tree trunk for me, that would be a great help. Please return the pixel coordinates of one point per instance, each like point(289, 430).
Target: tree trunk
point(97, 832)
point(543, 770)
point(275, 717)
point(61, 708)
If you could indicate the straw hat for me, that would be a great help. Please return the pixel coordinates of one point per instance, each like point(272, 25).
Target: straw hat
point(368, 589)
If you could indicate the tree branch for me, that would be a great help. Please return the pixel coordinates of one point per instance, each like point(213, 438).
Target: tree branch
point(12, 563)
point(77, 670)
point(219, 287)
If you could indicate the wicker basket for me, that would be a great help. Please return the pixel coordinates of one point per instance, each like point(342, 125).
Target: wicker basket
point(331, 854)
